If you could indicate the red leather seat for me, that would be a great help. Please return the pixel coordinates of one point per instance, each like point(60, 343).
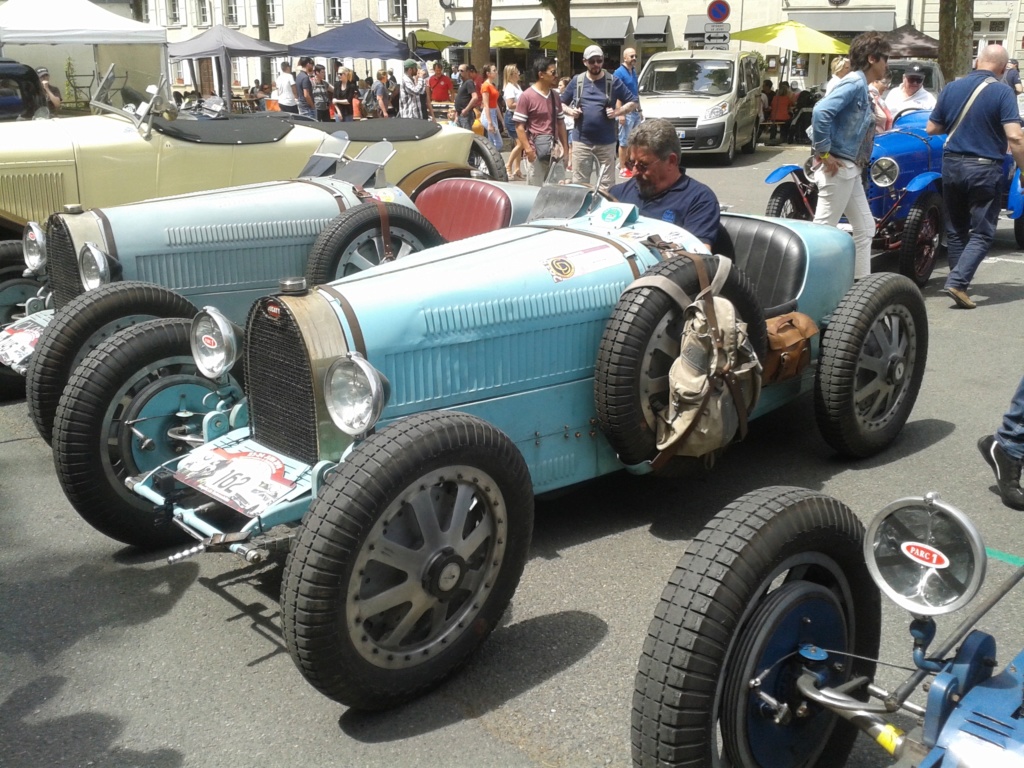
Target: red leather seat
point(461, 208)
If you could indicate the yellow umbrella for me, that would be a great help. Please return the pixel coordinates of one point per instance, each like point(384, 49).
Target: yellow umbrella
point(427, 39)
point(792, 36)
point(578, 42)
point(502, 38)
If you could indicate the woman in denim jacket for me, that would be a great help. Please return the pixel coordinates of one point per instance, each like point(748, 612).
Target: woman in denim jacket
point(844, 129)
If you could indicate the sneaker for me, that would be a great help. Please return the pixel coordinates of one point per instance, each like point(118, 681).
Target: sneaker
point(960, 297)
point(1007, 471)
point(626, 173)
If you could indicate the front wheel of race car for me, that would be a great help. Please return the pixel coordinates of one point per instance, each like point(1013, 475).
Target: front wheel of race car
point(12, 259)
point(873, 355)
point(407, 559)
point(922, 234)
point(777, 570)
point(353, 241)
point(79, 327)
point(786, 202)
point(486, 159)
point(13, 295)
point(639, 344)
point(116, 419)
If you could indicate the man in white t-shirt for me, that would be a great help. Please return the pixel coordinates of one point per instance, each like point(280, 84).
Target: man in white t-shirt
point(910, 94)
point(286, 96)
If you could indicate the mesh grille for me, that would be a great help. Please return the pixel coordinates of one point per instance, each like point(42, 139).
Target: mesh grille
point(282, 411)
point(683, 122)
point(61, 263)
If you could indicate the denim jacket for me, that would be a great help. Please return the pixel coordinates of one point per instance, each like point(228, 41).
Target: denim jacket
point(842, 119)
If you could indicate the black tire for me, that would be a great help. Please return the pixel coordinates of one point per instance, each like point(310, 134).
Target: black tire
point(13, 293)
point(768, 554)
point(728, 156)
point(353, 241)
point(873, 355)
point(486, 159)
point(79, 327)
point(128, 380)
point(336, 564)
point(1018, 231)
point(786, 203)
point(638, 346)
point(751, 146)
point(12, 259)
point(922, 235)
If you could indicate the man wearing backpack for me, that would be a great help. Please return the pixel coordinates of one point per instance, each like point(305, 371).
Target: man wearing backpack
point(596, 99)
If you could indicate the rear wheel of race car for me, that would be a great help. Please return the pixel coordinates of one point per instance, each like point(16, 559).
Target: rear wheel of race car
point(873, 355)
point(13, 295)
point(786, 203)
point(1018, 231)
point(12, 259)
point(486, 159)
point(79, 327)
point(353, 241)
point(776, 570)
point(113, 423)
point(639, 344)
point(407, 559)
point(922, 234)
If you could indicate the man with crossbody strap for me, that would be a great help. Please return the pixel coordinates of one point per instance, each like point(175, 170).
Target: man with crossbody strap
point(980, 116)
point(538, 121)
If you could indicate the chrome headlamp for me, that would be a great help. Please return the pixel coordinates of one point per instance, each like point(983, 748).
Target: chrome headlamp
point(885, 171)
point(33, 244)
point(93, 266)
point(719, 110)
point(356, 394)
point(216, 343)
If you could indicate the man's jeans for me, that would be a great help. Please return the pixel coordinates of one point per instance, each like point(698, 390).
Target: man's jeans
point(971, 191)
point(1011, 433)
point(306, 110)
point(632, 120)
point(466, 121)
point(844, 193)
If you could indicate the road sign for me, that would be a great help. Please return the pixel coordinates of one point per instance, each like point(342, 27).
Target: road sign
point(718, 10)
point(713, 27)
point(716, 37)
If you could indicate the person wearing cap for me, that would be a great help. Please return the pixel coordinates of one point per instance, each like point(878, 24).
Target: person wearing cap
point(1012, 77)
point(52, 94)
point(596, 99)
point(911, 93)
point(414, 86)
point(972, 164)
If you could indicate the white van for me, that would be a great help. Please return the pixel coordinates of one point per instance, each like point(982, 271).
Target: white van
point(711, 97)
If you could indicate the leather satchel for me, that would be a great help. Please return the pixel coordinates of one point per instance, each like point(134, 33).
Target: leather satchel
point(789, 346)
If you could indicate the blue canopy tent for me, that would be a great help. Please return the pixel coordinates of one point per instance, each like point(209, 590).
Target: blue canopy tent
point(359, 40)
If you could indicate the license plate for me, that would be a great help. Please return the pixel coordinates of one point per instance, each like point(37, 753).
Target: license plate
point(18, 339)
point(248, 481)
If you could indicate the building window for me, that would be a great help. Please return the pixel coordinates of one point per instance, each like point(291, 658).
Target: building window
point(231, 13)
point(997, 26)
point(203, 13)
point(173, 12)
point(398, 9)
point(271, 13)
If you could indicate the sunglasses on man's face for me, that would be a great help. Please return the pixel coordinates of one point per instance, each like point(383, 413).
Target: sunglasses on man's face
point(915, 80)
point(596, 60)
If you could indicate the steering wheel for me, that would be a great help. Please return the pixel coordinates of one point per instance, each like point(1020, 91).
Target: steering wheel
point(904, 111)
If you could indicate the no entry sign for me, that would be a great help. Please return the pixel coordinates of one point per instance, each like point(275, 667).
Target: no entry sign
point(718, 10)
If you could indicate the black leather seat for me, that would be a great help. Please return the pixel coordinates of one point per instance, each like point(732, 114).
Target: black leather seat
point(772, 256)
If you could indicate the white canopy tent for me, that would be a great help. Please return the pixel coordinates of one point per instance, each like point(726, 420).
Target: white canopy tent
point(130, 45)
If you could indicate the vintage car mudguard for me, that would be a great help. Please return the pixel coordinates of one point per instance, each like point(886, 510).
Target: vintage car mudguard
point(922, 182)
point(782, 172)
point(1015, 203)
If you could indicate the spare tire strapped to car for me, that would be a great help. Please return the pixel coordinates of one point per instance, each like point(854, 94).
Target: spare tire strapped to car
point(639, 344)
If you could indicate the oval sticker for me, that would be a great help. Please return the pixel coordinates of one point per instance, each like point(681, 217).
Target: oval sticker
point(273, 311)
point(924, 554)
point(209, 342)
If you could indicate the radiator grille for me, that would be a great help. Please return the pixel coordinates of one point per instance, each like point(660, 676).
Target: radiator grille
point(61, 262)
point(31, 196)
point(683, 122)
point(279, 383)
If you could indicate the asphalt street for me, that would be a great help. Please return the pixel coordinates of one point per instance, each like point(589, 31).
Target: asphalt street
point(109, 657)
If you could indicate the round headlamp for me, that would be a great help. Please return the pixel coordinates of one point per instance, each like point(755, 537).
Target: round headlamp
point(216, 343)
point(33, 244)
point(356, 394)
point(93, 267)
point(885, 171)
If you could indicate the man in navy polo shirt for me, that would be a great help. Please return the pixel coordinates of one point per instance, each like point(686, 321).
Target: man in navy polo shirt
point(602, 99)
point(972, 177)
point(661, 190)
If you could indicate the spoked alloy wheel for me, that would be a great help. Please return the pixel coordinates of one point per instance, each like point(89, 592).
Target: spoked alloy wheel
point(407, 559)
point(786, 203)
point(922, 234)
point(487, 160)
point(776, 570)
point(873, 357)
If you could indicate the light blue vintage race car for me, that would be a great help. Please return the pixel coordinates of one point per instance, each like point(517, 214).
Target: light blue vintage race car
point(400, 421)
point(763, 649)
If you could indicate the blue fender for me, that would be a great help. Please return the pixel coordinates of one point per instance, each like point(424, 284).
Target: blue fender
point(923, 181)
point(1015, 202)
point(780, 173)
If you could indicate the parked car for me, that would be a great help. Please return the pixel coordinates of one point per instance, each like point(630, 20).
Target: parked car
point(125, 153)
point(767, 637)
point(399, 421)
point(904, 185)
point(21, 93)
point(711, 97)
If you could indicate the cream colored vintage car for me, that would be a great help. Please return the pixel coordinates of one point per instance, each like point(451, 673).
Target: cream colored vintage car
point(126, 152)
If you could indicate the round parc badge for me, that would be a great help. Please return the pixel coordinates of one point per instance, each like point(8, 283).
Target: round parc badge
point(924, 554)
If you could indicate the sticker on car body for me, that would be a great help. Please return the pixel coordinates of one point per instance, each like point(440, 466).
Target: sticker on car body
point(18, 340)
point(584, 262)
point(248, 481)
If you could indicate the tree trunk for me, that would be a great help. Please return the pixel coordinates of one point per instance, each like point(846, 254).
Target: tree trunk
point(956, 32)
point(263, 23)
point(480, 53)
point(560, 10)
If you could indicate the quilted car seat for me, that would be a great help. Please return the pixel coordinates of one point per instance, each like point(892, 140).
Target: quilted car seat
point(461, 208)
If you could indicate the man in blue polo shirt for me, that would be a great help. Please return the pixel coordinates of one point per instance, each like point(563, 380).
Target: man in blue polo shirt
point(601, 100)
point(661, 190)
point(972, 177)
point(627, 74)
